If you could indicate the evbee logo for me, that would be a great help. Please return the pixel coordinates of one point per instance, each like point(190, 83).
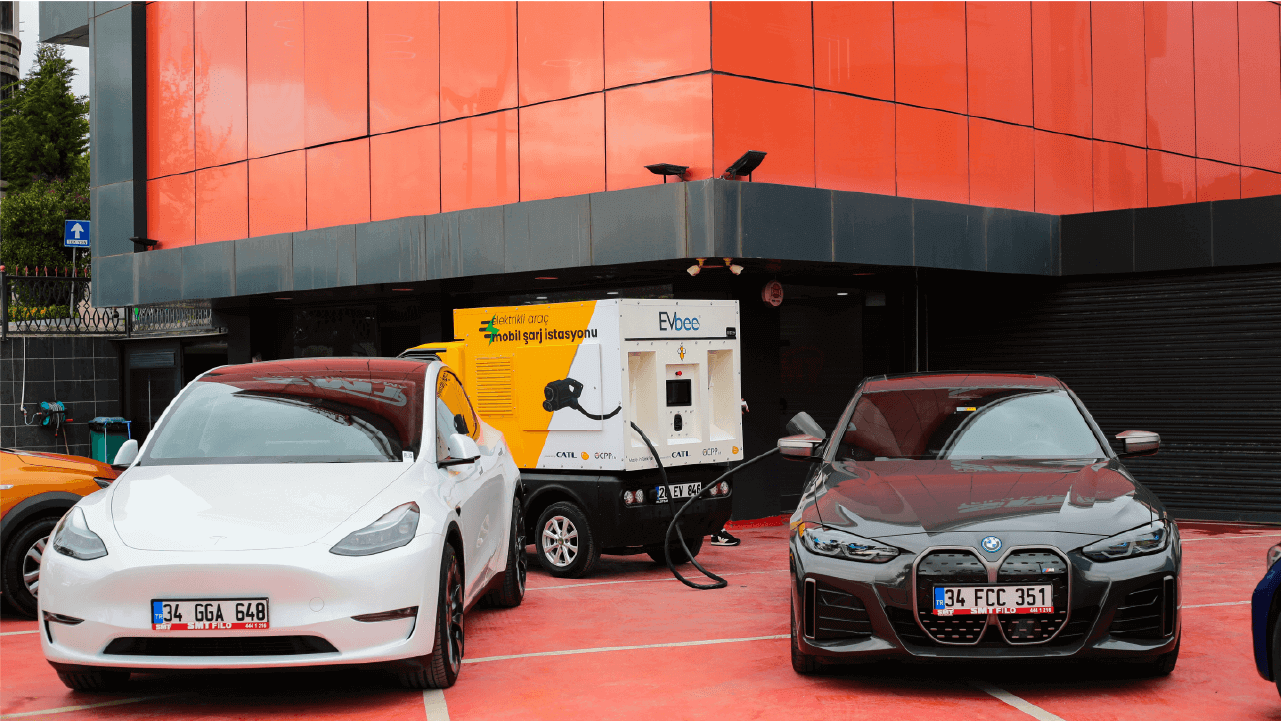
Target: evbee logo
point(673, 321)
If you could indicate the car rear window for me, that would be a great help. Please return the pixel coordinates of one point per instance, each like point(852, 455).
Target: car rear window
point(349, 411)
point(967, 423)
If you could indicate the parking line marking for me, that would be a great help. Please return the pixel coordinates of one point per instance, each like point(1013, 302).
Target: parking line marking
point(68, 709)
point(1233, 538)
point(642, 580)
point(1026, 707)
point(1225, 603)
point(435, 706)
point(604, 649)
point(19, 633)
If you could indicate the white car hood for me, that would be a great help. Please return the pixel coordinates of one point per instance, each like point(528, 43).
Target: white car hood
point(241, 507)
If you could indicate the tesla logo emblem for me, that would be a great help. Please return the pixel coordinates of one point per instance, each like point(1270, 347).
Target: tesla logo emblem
point(991, 544)
point(216, 539)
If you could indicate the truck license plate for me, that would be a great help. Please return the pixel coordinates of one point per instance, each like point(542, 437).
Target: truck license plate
point(679, 491)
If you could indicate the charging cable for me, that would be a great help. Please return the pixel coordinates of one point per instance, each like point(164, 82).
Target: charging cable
point(717, 581)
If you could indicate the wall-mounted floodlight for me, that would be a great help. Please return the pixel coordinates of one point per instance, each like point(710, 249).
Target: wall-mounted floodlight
point(698, 267)
point(145, 242)
point(745, 165)
point(666, 169)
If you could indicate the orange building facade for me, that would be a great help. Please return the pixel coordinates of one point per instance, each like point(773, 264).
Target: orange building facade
point(272, 117)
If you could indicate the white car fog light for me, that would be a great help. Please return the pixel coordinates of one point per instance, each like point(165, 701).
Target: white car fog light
point(73, 538)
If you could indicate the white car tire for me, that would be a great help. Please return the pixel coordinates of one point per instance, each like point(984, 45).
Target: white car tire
point(440, 670)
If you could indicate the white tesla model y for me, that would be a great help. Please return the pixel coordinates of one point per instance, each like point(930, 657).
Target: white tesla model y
point(292, 513)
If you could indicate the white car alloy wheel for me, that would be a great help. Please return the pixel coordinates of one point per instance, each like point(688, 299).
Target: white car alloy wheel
point(560, 541)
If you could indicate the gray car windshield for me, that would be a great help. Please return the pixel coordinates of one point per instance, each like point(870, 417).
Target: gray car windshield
point(967, 423)
point(328, 418)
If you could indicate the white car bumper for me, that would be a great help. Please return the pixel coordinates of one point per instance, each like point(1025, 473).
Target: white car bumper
point(310, 592)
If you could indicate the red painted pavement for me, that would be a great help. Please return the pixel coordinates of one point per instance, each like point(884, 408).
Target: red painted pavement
point(631, 602)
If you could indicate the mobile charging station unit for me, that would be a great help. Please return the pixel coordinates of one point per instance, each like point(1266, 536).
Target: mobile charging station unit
point(564, 382)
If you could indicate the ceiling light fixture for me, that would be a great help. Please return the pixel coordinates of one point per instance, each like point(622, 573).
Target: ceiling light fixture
point(611, 292)
point(546, 277)
point(666, 169)
point(284, 298)
point(842, 293)
point(403, 290)
point(745, 165)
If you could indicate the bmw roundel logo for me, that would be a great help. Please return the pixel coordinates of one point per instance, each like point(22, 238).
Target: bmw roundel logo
point(991, 544)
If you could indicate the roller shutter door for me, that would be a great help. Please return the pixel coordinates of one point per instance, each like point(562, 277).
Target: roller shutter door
point(1195, 357)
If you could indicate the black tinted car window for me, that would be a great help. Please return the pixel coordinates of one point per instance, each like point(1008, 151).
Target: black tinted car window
point(955, 423)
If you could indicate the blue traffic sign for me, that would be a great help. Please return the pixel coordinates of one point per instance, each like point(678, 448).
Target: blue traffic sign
point(75, 234)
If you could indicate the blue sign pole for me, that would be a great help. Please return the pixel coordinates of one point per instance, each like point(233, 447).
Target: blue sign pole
point(75, 234)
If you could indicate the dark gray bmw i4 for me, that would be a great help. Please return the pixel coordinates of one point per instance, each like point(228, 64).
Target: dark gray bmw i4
point(978, 516)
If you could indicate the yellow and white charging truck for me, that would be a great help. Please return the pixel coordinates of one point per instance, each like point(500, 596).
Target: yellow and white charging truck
point(566, 382)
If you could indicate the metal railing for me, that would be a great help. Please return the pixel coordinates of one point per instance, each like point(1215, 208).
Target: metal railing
point(60, 305)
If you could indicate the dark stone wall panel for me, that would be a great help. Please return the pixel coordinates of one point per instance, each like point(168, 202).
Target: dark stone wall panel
point(115, 280)
point(1247, 231)
point(544, 234)
point(875, 229)
point(480, 241)
point(784, 221)
point(112, 136)
point(208, 270)
point(1098, 242)
point(390, 251)
point(1173, 237)
point(111, 208)
point(159, 275)
point(325, 258)
point(265, 264)
point(638, 224)
point(1020, 242)
point(948, 235)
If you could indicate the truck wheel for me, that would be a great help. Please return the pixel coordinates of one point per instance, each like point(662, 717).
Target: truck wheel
point(678, 553)
point(21, 575)
point(566, 546)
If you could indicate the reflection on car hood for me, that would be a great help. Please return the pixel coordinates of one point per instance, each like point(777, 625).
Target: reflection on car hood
point(891, 498)
point(241, 507)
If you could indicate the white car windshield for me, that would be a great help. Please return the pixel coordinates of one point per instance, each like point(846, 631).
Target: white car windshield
point(333, 411)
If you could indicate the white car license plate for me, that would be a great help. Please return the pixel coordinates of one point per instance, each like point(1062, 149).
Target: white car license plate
point(213, 614)
point(679, 491)
point(973, 600)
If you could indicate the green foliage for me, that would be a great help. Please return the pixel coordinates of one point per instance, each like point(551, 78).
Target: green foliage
point(44, 132)
point(50, 312)
point(43, 137)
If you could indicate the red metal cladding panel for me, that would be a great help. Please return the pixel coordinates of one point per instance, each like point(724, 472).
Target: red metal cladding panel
point(999, 56)
point(1260, 85)
point(932, 154)
point(336, 71)
point(404, 173)
point(1120, 111)
point(477, 58)
point(1256, 183)
point(1061, 78)
point(1001, 165)
point(663, 122)
point(1171, 179)
point(221, 114)
point(171, 134)
point(338, 184)
point(854, 48)
point(275, 70)
point(561, 50)
point(771, 40)
point(1218, 81)
point(404, 65)
point(853, 144)
point(479, 162)
point(650, 40)
point(222, 203)
point(1064, 182)
point(1217, 181)
point(1170, 96)
point(929, 55)
point(278, 194)
point(756, 115)
point(550, 167)
point(171, 210)
point(1120, 176)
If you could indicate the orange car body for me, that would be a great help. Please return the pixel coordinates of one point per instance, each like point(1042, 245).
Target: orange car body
point(34, 484)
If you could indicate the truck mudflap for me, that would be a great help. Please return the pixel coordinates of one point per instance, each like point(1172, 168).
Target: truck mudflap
point(617, 525)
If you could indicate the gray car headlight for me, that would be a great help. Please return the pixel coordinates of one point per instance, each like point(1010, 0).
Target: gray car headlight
point(73, 538)
point(395, 529)
point(1150, 538)
point(839, 544)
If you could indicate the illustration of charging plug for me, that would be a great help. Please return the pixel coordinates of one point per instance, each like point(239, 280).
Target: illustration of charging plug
point(564, 393)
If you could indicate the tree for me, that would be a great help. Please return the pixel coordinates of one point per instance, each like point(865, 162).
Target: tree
point(44, 132)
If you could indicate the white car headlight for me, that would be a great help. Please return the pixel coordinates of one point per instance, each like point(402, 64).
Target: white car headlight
point(839, 544)
point(73, 538)
point(1150, 538)
point(395, 529)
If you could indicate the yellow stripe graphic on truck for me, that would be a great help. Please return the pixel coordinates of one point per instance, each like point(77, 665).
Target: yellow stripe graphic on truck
point(512, 355)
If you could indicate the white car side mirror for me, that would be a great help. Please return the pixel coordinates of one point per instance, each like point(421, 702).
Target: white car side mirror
point(462, 449)
point(127, 454)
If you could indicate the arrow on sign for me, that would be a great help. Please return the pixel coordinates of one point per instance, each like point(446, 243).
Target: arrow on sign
point(77, 230)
